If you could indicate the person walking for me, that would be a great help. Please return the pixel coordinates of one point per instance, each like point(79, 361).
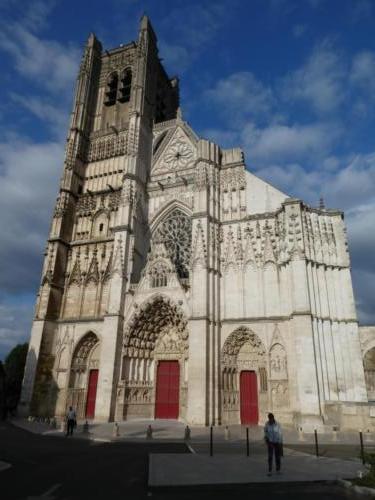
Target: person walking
point(274, 440)
point(71, 420)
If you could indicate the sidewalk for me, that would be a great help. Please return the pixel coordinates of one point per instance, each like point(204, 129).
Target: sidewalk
point(173, 430)
point(229, 465)
point(189, 470)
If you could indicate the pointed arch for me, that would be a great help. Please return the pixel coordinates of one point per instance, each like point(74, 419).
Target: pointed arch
point(238, 338)
point(151, 320)
point(85, 361)
point(125, 85)
point(163, 212)
point(111, 89)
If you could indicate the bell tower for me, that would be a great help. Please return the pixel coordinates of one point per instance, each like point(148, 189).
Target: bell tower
point(96, 246)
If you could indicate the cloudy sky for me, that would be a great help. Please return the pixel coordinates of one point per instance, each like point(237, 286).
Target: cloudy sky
point(291, 81)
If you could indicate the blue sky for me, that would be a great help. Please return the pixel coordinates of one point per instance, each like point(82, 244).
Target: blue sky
point(291, 81)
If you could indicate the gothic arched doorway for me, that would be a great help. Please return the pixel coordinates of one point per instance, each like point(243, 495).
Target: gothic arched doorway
point(84, 373)
point(244, 377)
point(154, 365)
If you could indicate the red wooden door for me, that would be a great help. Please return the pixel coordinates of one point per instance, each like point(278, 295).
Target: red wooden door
point(91, 393)
point(167, 390)
point(249, 398)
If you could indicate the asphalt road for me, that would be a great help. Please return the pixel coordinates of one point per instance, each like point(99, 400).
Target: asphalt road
point(55, 468)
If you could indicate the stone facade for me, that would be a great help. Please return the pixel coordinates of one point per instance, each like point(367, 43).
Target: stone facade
point(163, 246)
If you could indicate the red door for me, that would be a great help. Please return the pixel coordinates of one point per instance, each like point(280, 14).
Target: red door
point(91, 393)
point(249, 398)
point(167, 390)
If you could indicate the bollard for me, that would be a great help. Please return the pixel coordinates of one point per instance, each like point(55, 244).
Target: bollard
point(63, 425)
point(362, 447)
point(247, 442)
point(300, 434)
point(85, 428)
point(226, 433)
point(187, 433)
point(211, 442)
point(368, 438)
point(116, 430)
point(149, 432)
point(334, 433)
point(316, 442)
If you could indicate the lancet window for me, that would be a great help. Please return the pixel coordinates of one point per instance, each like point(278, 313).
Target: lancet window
point(126, 83)
point(111, 91)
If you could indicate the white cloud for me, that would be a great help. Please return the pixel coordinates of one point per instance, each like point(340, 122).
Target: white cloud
point(175, 56)
point(363, 71)
point(241, 95)
point(29, 175)
point(288, 143)
point(47, 111)
point(49, 63)
point(319, 82)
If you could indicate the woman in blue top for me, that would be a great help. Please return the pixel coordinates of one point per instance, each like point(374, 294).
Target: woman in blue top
point(274, 439)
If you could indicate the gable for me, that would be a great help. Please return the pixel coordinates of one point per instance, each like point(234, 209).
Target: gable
point(176, 152)
point(261, 196)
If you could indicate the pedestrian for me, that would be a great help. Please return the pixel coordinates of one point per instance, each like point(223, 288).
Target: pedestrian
point(274, 440)
point(71, 420)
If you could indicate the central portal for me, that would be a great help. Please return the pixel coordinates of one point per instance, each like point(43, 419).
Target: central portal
point(167, 390)
point(249, 397)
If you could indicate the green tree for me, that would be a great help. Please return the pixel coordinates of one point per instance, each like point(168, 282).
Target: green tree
point(14, 368)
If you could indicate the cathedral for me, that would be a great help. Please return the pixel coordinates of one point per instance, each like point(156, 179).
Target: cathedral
point(177, 284)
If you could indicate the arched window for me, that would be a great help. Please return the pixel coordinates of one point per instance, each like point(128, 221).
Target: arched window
point(175, 232)
point(111, 92)
point(126, 84)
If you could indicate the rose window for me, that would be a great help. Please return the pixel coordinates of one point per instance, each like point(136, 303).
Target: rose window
point(178, 156)
point(175, 233)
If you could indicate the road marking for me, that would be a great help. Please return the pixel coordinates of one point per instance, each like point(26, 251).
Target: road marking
point(4, 466)
point(47, 494)
point(191, 449)
point(51, 490)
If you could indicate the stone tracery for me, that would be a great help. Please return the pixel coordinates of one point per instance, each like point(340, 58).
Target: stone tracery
point(175, 232)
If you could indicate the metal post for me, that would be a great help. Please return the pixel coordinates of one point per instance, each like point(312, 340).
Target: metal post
point(316, 442)
point(362, 448)
point(211, 443)
point(247, 442)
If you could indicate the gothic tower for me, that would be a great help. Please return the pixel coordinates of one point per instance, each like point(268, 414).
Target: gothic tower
point(98, 238)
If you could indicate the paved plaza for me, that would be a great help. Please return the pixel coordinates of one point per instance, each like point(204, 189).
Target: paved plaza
point(339, 454)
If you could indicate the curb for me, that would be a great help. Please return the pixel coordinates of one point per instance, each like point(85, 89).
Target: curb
point(360, 490)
